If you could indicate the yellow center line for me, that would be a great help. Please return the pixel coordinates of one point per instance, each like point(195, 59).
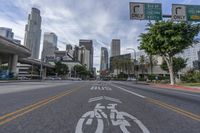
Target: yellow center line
point(27, 107)
point(175, 109)
point(13, 115)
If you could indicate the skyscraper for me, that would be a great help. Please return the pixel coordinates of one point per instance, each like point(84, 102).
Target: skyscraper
point(76, 53)
point(7, 33)
point(68, 47)
point(33, 33)
point(88, 44)
point(115, 47)
point(49, 44)
point(84, 57)
point(104, 59)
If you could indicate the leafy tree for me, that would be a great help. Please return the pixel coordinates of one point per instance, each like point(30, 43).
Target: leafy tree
point(178, 64)
point(167, 39)
point(115, 64)
point(122, 64)
point(81, 71)
point(61, 69)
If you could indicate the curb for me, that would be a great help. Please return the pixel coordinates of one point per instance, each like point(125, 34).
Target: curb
point(177, 87)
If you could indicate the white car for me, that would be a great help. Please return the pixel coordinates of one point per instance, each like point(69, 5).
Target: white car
point(131, 79)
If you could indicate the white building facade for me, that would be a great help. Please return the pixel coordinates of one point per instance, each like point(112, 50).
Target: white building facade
point(191, 54)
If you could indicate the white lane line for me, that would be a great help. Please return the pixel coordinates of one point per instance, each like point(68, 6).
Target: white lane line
point(129, 91)
point(102, 88)
point(168, 91)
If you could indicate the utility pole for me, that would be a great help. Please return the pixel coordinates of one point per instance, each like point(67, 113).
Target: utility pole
point(134, 61)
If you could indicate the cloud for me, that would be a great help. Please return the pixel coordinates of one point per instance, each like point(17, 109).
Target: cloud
point(71, 20)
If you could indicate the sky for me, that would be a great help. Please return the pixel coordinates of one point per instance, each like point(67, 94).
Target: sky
point(71, 20)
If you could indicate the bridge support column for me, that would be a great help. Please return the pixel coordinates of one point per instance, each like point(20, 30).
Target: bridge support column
point(12, 64)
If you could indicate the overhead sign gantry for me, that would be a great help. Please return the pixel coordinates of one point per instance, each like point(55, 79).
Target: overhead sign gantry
point(153, 11)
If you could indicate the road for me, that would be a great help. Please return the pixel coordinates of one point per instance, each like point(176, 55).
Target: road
point(96, 107)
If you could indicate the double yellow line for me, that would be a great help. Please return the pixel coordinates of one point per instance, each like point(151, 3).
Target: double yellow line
point(175, 109)
point(13, 115)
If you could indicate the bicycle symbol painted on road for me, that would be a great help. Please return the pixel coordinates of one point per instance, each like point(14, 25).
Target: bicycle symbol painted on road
point(114, 118)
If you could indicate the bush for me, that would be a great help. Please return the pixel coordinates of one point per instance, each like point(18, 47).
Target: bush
point(151, 77)
point(191, 77)
point(122, 76)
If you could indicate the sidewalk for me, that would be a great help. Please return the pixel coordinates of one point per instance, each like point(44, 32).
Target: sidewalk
point(16, 81)
point(177, 87)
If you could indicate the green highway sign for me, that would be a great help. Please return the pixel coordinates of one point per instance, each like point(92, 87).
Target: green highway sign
point(185, 12)
point(153, 11)
point(145, 11)
point(193, 12)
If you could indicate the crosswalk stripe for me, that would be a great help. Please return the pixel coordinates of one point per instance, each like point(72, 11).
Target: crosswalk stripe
point(101, 88)
point(92, 88)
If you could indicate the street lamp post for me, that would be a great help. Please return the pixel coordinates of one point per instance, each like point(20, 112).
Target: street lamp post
point(41, 67)
point(134, 61)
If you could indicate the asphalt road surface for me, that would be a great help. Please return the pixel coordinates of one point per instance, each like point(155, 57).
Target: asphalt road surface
point(96, 107)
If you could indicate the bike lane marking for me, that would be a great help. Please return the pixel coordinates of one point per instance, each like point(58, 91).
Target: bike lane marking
point(117, 118)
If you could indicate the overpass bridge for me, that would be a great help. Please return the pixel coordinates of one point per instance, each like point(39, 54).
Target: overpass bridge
point(11, 52)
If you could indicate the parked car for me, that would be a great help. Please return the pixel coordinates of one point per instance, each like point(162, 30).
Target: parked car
point(75, 79)
point(4, 75)
point(131, 79)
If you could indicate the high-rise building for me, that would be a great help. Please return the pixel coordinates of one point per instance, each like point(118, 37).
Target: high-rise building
point(33, 33)
point(49, 44)
point(115, 47)
point(84, 57)
point(104, 59)
point(76, 53)
point(88, 44)
point(191, 54)
point(7, 33)
point(68, 47)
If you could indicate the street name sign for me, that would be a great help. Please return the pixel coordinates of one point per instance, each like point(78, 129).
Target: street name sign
point(145, 11)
